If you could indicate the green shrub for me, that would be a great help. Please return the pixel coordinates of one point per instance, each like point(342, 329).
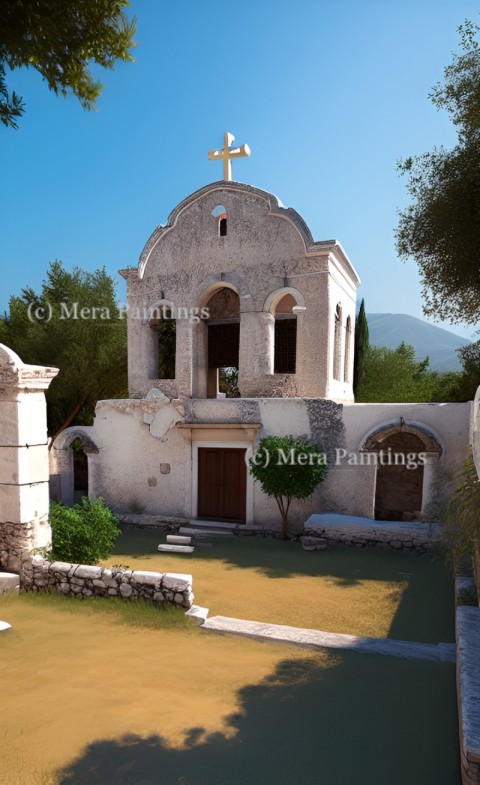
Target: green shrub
point(84, 533)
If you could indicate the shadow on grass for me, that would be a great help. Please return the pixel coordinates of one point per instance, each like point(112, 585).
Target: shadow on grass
point(285, 559)
point(357, 718)
point(425, 612)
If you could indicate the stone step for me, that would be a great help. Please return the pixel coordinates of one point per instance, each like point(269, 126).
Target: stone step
point(9, 582)
point(5, 626)
point(205, 532)
point(198, 614)
point(175, 539)
point(176, 548)
point(317, 639)
point(195, 523)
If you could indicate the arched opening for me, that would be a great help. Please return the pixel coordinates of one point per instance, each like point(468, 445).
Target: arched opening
point(71, 454)
point(404, 451)
point(80, 470)
point(348, 344)
point(223, 343)
point(337, 344)
point(285, 338)
point(399, 488)
point(164, 326)
point(220, 213)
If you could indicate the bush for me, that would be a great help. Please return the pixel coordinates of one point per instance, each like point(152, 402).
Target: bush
point(84, 533)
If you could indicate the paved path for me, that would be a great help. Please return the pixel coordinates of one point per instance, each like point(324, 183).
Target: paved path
point(279, 633)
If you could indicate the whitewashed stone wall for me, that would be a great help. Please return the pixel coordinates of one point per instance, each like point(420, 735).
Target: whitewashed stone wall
point(87, 581)
point(144, 463)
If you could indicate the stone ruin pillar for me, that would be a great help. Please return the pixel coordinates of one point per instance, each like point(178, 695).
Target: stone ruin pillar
point(24, 474)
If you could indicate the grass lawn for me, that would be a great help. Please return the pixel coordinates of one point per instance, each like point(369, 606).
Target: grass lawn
point(361, 592)
point(110, 693)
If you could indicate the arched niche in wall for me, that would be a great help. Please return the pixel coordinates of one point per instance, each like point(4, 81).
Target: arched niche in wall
point(337, 343)
point(405, 454)
point(162, 322)
point(348, 350)
point(284, 305)
point(72, 450)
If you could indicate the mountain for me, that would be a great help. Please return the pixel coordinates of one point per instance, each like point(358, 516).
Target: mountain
point(390, 329)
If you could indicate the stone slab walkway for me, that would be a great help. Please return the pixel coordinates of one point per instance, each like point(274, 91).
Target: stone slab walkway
point(316, 639)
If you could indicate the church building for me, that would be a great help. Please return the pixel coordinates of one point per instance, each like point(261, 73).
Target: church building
point(241, 325)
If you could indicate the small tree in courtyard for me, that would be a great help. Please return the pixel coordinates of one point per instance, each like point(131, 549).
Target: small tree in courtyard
point(288, 468)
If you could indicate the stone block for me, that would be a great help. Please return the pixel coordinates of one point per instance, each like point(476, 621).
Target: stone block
point(176, 548)
point(9, 582)
point(313, 543)
point(23, 465)
point(60, 566)
point(177, 581)
point(150, 578)
point(24, 503)
point(177, 539)
point(88, 571)
point(23, 421)
point(125, 590)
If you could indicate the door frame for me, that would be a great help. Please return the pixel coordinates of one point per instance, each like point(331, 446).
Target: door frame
point(224, 435)
point(224, 445)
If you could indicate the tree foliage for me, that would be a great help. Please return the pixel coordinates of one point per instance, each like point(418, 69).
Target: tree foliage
point(440, 229)
point(361, 346)
point(394, 375)
point(90, 351)
point(461, 531)
point(84, 533)
point(61, 39)
point(283, 471)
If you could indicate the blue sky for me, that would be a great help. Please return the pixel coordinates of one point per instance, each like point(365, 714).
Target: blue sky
point(329, 95)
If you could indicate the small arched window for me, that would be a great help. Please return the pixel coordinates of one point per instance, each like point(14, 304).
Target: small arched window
point(164, 324)
point(337, 344)
point(220, 213)
point(348, 344)
point(285, 341)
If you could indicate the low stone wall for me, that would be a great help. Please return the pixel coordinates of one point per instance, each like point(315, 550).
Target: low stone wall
point(353, 532)
point(144, 521)
point(38, 573)
point(16, 539)
point(468, 690)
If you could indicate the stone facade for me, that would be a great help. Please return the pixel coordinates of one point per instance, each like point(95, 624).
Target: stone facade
point(267, 253)
point(24, 467)
point(87, 581)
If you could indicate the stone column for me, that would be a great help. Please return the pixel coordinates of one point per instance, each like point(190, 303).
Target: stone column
point(184, 357)
point(256, 352)
point(428, 487)
point(24, 497)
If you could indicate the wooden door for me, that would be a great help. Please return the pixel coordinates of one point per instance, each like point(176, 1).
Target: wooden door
point(222, 484)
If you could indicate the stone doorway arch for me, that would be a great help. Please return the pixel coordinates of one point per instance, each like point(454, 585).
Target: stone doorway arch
point(406, 455)
point(63, 476)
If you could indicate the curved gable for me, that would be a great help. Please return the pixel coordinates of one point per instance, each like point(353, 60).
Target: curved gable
point(274, 205)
